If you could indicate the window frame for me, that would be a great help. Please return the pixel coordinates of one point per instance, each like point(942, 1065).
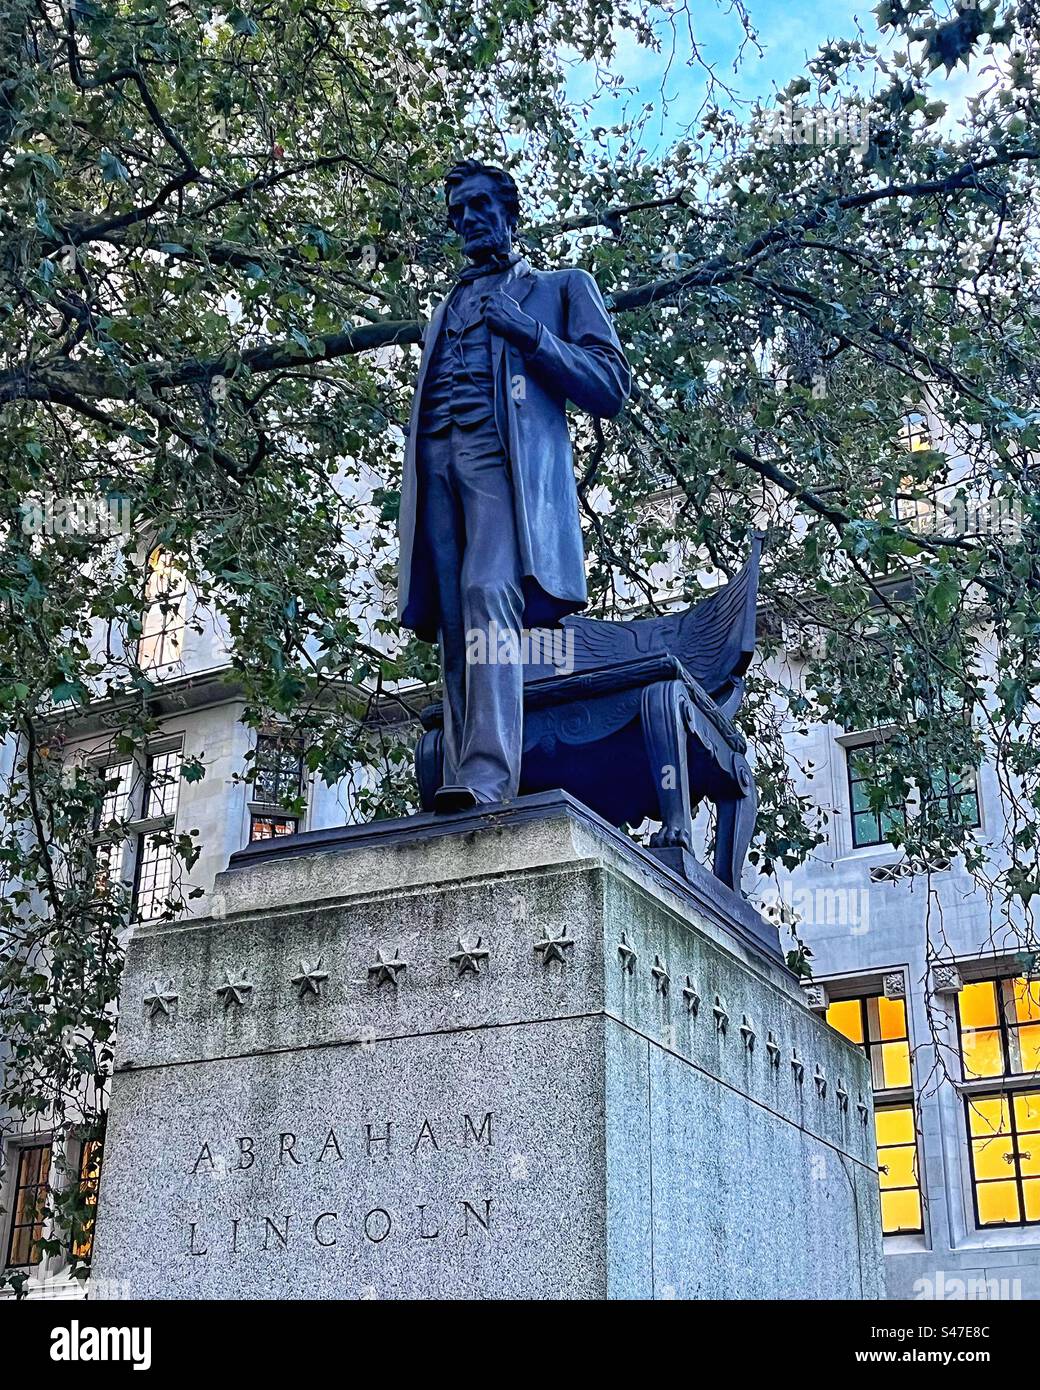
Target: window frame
point(19, 1149)
point(861, 990)
point(918, 1187)
point(852, 751)
point(266, 803)
point(1002, 1094)
point(854, 747)
point(170, 602)
point(1002, 1027)
point(286, 746)
point(143, 818)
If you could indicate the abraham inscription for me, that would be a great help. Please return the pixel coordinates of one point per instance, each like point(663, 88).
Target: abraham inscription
point(260, 1179)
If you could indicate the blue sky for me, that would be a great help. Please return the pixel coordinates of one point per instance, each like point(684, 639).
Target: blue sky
point(789, 31)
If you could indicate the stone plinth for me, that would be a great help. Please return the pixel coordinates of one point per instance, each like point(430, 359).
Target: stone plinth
point(508, 1054)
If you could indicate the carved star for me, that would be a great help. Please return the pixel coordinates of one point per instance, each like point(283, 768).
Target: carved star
point(160, 1001)
point(721, 1015)
point(234, 991)
point(628, 956)
point(310, 979)
point(821, 1081)
point(797, 1066)
point(747, 1033)
point(842, 1095)
point(468, 956)
point(553, 947)
point(691, 996)
point(385, 972)
point(773, 1048)
point(659, 971)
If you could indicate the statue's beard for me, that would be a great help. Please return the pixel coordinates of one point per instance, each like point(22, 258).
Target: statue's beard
point(488, 246)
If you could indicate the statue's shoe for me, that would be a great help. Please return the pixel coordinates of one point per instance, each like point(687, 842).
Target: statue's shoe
point(448, 800)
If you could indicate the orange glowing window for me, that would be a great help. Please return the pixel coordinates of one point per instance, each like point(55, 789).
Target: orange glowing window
point(999, 1023)
point(878, 1025)
point(1004, 1140)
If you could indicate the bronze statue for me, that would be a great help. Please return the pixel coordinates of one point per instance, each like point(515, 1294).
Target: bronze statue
point(490, 538)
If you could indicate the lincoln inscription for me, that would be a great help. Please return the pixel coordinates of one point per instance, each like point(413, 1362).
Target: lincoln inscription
point(280, 1222)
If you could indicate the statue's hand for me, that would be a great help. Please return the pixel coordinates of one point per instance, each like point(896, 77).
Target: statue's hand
point(505, 317)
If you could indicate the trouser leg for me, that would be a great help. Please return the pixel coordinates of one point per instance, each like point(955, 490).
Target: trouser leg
point(443, 525)
point(492, 606)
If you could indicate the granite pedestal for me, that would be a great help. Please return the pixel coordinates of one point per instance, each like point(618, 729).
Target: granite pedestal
point(501, 1055)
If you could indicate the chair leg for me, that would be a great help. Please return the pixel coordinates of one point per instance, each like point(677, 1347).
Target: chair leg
point(665, 736)
point(734, 827)
point(429, 766)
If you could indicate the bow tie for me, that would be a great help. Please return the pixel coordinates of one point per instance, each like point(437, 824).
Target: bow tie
point(494, 266)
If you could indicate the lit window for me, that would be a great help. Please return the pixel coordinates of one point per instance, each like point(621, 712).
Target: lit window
point(915, 435)
point(89, 1177)
point(27, 1206)
point(1004, 1135)
point(279, 770)
point(271, 827)
point(878, 1025)
point(999, 1023)
point(897, 1170)
point(164, 618)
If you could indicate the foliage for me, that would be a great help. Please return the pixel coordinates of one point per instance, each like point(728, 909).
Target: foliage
point(220, 233)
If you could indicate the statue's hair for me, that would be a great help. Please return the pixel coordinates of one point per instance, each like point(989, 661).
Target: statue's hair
point(504, 183)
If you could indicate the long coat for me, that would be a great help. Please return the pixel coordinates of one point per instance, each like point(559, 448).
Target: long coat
point(578, 358)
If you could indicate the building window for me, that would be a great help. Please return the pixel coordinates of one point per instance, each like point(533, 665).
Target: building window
point(263, 827)
point(999, 1025)
point(134, 831)
point(915, 434)
point(153, 879)
point(163, 785)
point(279, 770)
point(154, 876)
point(89, 1178)
point(900, 1184)
point(119, 781)
point(1004, 1136)
point(955, 796)
point(277, 783)
point(28, 1202)
point(165, 608)
point(878, 1025)
point(952, 797)
point(871, 824)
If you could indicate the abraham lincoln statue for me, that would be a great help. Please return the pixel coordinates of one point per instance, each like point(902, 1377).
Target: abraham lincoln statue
point(490, 538)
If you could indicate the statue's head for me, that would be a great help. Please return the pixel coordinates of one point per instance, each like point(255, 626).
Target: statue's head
point(483, 208)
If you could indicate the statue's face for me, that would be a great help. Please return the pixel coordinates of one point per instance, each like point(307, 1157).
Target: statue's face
point(477, 213)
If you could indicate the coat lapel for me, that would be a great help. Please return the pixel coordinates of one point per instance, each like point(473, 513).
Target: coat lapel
point(518, 284)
